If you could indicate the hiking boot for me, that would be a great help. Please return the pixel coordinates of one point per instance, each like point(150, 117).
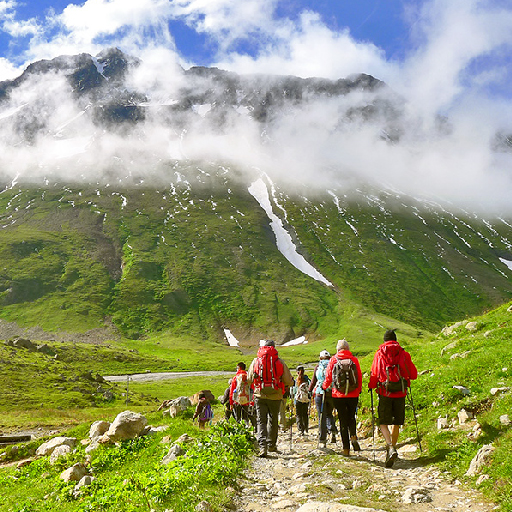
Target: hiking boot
point(333, 438)
point(391, 456)
point(355, 444)
point(273, 449)
point(346, 452)
point(262, 453)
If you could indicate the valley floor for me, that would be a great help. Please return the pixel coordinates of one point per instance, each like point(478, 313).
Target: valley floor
point(307, 479)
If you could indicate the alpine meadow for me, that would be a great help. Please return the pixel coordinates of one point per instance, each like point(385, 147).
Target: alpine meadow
point(145, 226)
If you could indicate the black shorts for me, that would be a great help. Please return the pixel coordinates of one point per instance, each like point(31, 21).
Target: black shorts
point(391, 410)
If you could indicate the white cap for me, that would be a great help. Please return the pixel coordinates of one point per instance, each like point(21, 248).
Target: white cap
point(324, 353)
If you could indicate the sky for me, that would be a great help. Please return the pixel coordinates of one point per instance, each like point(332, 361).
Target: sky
point(446, 57)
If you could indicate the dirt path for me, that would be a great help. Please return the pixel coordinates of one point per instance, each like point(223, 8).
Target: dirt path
point(151, 377)
point(307, 479)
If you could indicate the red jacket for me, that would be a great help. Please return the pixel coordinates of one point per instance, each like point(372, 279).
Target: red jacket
point(343, 354)
point(407, 369)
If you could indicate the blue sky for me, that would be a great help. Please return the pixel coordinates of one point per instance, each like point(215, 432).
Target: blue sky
point(448, 57)
point(439, 50)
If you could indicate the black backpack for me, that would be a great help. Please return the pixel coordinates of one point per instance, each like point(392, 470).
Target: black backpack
point(344, 376)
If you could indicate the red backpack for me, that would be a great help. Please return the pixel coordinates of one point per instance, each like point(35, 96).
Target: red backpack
point(393, 375)
point(267, 371)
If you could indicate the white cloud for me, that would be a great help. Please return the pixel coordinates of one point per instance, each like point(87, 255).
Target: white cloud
point(309, 48)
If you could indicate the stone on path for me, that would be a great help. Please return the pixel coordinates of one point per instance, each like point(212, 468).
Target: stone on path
point(480, 460)
point(317, 506)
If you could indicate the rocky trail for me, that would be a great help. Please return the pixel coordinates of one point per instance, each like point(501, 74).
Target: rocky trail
point(304, 478)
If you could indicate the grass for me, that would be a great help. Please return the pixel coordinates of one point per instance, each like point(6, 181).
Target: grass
point(198, 256)
point(130, 476)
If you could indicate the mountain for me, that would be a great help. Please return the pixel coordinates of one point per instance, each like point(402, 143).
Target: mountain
point(112, 212)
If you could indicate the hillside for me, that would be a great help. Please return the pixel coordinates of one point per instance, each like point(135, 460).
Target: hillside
point(202, 200)
point(197, 253)
point(472, 355)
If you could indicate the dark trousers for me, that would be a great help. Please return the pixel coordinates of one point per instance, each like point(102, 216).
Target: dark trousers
point(347, 408)
point(302, 415)
point(242, 413)
point(324, 408)
point(267, 417)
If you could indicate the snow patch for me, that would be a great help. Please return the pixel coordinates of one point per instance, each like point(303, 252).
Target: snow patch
point(285, 244)
point(298, 341)
point(233, 342)
point(508, 263)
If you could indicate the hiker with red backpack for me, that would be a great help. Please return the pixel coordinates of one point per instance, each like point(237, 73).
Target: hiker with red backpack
point(391, 375)
point(344, 373)
point(240, 395)
point(270, 377)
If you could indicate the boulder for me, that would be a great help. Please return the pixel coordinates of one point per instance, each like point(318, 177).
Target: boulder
point(74, 473)
point(471, 326)
point(175, 451)
point(48, 447)
point(480, 460)
point(98, 428)
point(127, 425)
point(60, 451)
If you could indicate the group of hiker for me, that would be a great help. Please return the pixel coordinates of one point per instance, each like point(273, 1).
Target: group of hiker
point(336, 385)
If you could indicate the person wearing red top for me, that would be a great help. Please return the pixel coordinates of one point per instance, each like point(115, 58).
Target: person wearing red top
point(391, 408)
point(345, 403)
point(240, 404)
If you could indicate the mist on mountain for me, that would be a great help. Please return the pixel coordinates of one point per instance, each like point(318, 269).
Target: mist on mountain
point(113, 119)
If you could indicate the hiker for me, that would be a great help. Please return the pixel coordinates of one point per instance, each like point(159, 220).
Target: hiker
point(270, 377)
point(344, 373)
point(391, 374)
point(323, 400)
point(225, 402)
point(240, 395)
point(301, 398)
point(203, 411)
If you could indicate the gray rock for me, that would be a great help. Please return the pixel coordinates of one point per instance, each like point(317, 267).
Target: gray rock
point(463, 390)
point(175, 451)
point(471, 326)
point(48, 447)
point(497, 391)
point(74, 473)
point(464, 416)
point(416, 494)
point(317, 506)
point(60, 451)
point(98, 428)
point(480, 460)
point(504, 419)
point(127, 425)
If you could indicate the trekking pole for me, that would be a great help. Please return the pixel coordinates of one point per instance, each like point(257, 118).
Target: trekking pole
point(320, 417)
point(415, 418)
point(291, 424)
point(373, 424)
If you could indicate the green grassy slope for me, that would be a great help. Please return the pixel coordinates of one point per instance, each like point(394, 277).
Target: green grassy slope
point(197, 255)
